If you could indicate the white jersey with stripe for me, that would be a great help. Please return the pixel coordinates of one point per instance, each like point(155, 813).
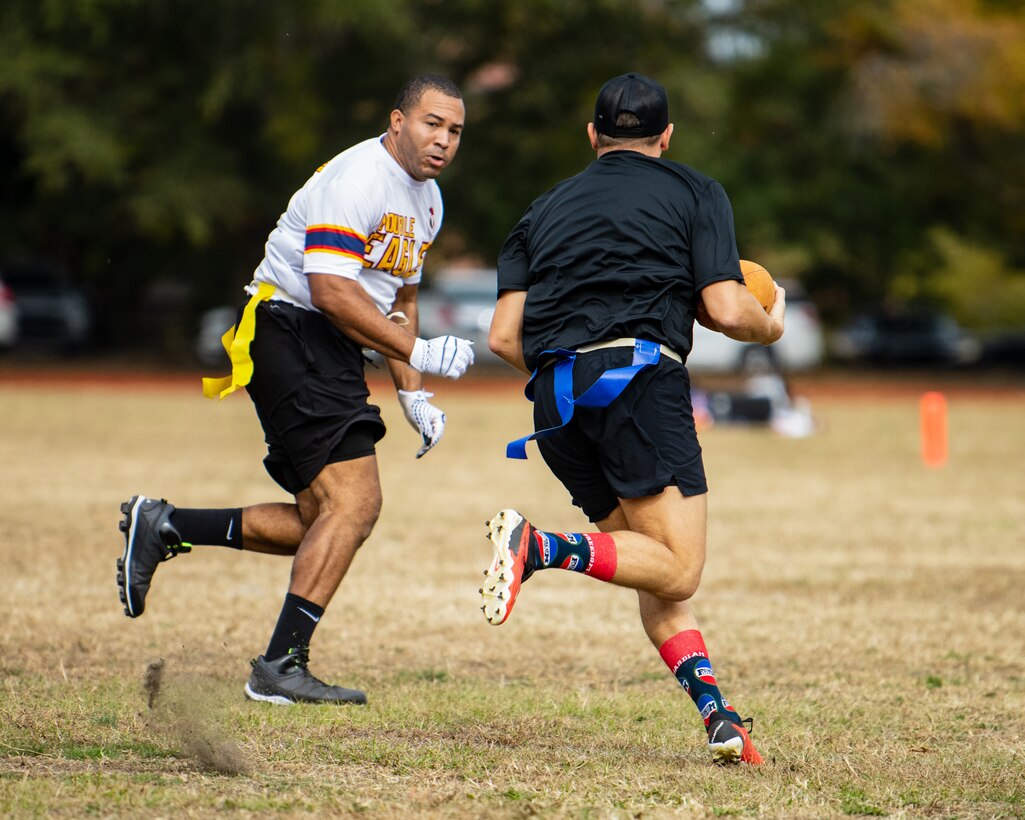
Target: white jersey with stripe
point(360, 216)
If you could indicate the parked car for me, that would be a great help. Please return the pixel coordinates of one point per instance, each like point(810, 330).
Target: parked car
point(460, 303)
point(802, 346)
point(8, 317)
point(212, 325)
point(1004, 347)
point(52, 311)
point(912, 335)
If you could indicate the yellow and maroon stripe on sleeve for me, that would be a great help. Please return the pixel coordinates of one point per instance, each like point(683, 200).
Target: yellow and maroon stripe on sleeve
point(335, 239)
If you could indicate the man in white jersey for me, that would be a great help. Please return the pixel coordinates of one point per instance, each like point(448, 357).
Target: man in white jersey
point(340, 273)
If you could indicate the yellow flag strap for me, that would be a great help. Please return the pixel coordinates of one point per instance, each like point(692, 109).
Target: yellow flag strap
point(236, 341)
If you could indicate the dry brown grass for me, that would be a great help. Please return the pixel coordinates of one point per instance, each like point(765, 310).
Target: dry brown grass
point(866, 610)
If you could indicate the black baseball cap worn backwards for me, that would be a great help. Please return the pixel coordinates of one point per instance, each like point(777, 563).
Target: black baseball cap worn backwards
point(642, 96)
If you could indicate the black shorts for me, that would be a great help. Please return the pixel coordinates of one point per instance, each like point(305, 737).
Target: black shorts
point(310, 394)
point(640, 444)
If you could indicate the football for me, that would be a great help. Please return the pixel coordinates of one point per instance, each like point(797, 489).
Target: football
point(759, 282)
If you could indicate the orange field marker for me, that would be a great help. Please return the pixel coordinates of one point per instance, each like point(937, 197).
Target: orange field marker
point(933, 408)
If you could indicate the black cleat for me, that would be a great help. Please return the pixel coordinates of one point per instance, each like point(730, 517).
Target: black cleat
point(149, 539)
point(287, 681)
point(729, 742)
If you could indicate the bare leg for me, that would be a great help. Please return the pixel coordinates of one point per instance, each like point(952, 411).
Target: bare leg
point(276, 529)
point(340, 509)
point(660, 543)
point(334, 516)
point(666, 534)
point(661, 618)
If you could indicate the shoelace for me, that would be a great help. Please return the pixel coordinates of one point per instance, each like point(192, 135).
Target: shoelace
point(750, 722)
point(301, 656)
point(176, 549)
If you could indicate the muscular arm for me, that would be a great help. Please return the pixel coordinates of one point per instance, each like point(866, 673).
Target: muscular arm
point(404, 376)
point(506, 336)
point(736, 313)
point(352, 310)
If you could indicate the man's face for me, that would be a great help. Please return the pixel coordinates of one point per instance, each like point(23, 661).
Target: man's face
point(427, 137)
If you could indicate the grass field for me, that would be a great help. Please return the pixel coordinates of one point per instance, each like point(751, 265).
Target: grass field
point(866, 610)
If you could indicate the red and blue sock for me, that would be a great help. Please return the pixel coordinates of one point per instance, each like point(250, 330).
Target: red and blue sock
point(687, 658)
point(592, 553)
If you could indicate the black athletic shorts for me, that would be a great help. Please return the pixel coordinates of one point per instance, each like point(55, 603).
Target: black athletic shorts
point(640, 444)
point(310, 394)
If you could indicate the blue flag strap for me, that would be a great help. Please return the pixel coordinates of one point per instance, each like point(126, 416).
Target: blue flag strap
point(602, 393)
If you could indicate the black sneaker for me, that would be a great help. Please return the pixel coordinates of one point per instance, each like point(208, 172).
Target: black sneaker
point(287, 680)
point(149, 539)
point(729, 742)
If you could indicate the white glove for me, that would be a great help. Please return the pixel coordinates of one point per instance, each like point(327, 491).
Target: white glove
point(447, 356)
point(423, 416)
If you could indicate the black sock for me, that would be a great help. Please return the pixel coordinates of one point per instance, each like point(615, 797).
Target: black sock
point(212, 528)
point(296, 623)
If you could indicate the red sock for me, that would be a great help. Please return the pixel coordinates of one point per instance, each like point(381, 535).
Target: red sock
point(687, 658)
point(604, 558)
point(681, 647)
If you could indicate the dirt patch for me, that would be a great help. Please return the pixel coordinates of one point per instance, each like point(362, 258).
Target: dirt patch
point(186, 709)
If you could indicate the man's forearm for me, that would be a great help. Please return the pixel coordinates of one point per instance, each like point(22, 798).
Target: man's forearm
point(404, 376)
point(738, 315)
point(352, 310)
point(506, 335)
point(392, 347)
point(514, 358)
point(753, 325)
point(406, 314)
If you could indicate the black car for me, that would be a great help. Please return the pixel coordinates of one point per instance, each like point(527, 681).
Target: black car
point(52, 311)
point(908, 336)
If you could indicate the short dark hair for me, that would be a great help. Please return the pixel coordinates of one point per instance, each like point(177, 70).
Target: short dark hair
point(410, 94)
point(626, 119)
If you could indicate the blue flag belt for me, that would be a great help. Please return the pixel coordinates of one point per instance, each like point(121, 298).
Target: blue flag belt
point(602, 393)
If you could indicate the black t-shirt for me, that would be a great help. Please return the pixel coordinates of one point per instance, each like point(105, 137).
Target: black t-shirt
point(622, 249)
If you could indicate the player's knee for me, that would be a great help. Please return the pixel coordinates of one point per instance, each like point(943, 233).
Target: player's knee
point(306, 519)
point(357, 526)
point(357, 515)
point(368, 519)
point(366, 514)
point(683, 585)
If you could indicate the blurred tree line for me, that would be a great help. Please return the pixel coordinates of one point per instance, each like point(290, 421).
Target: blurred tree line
point(874, 150)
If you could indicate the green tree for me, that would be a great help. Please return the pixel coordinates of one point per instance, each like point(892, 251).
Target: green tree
point(866, 130)
point(156, 141)
point(153, 140)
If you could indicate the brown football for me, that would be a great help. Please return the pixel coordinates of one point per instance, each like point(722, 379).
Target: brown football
point(759, 282)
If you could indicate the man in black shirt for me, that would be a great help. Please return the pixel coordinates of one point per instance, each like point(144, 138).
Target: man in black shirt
point(599, 286)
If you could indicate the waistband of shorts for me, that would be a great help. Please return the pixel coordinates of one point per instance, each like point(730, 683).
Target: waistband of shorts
point(627, 342)
point(279, 295)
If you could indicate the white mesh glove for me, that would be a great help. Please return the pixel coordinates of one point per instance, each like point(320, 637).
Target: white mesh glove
point(447, 356)
point(423, 416)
